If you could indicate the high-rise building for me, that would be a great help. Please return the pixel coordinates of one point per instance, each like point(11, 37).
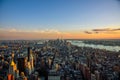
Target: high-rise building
point(10, 77)
point(12, 66)
point(28, 54)
point(21, 64)
point(16, 74)
point(22, 76)
point(97, 74)
point(30, 58)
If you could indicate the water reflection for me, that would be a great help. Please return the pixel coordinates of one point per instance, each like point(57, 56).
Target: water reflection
point(81, 44)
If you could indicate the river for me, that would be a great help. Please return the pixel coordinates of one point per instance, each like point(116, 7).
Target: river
point(82, 44)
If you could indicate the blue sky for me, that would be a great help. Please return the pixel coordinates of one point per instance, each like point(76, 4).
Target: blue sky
point(59, 13)
point(62, 15)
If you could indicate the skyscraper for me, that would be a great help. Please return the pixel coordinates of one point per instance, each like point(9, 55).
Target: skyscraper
point(21, 64)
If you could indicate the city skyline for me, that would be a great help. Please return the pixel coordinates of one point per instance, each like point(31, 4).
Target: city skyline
point(51, 19)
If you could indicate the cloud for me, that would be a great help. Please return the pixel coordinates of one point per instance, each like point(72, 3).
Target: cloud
point(13, 30)
point(52, 31)
point(106, 29)
point(46, 31)
point(96, 32)
point(10, 30)
point(87, 32)
point(116, 29)
point(36, 33)
point(31, 31)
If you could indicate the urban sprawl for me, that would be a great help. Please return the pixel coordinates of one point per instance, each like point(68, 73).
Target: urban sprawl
point(56, 60)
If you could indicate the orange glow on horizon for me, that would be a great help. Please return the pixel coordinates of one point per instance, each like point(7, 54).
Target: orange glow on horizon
point(72, 35)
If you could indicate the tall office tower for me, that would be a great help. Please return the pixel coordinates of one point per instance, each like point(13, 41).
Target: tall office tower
point(30, 58)
point(97, 74)
point(28, 54)
point(10, 77)
point(21, 64)
point(56, 67)
point(32, 62)
point(16, 74)
point(12, 55)
point(49, 63)
point(28, 68)
point(12, 66)
point(93, 77)
point(22, 76)
point(87, 73)
point(35, 76)
point(43, 71)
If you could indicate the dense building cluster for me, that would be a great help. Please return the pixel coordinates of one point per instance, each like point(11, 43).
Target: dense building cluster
point(56, 60)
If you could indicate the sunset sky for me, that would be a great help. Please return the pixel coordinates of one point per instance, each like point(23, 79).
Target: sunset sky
point(67, 19)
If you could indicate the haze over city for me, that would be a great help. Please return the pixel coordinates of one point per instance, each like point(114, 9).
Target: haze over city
point(52, 19)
